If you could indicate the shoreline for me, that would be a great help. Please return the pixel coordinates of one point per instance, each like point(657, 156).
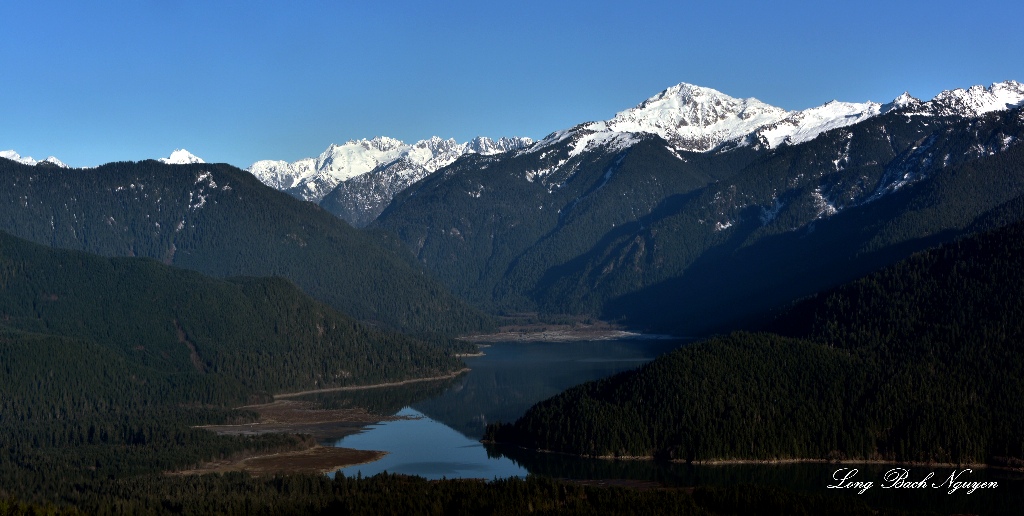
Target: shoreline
point(562, 335)
point(318, 459)
point(771, 462)
point(372, 386)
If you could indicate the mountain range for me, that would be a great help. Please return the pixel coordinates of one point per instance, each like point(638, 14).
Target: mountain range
point(720, 209)
point(221, 221)
point(688, 212)
point(691, 214)
point(178, 157)
point(28, 160)
point(388, 165)
point(358, 179)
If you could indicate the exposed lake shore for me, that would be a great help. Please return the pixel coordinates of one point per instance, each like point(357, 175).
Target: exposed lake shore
point(999, 463)
point(549, 333)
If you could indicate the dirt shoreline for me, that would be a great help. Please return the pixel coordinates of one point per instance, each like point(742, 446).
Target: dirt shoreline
point(562, 335)
point(767, 462)
point(287, 416)
point(316, 459)
point(373, 386)
point(297, 417)
point(300, 417)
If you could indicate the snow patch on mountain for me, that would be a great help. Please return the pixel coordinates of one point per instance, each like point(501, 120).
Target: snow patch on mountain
point(181, 157)
point(804, 126)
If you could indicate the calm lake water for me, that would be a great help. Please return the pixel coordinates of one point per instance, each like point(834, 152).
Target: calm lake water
point(445, 421)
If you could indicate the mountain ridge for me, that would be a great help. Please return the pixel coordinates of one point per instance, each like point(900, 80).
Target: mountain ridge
point(584, 218)
point(221, 221)
point(700, 119)
point(311, 179)
point(28, 160)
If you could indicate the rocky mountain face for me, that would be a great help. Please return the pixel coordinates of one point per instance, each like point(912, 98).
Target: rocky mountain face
point(654, 217)
point(311, 179)
point(357, 180)
point(360, 199)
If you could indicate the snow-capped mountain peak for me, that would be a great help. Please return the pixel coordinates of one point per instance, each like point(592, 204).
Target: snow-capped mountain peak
point(54, 161)
point(693, 117)
point(313, 178)
point(181, 157)
point(699, 119)
point(976, 100)
point(14, 156)
point(903, 101)
point(28, 160)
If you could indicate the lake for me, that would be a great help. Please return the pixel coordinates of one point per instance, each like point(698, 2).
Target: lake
point(444, 421)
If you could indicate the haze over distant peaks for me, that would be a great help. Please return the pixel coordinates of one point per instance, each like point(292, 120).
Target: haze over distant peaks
point(181, 157)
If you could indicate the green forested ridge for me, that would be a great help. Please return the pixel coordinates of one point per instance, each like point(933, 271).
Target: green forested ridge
point(920, 361)
point(696, 243)
point(107, 363)
point(264, 334)
point(221, 221)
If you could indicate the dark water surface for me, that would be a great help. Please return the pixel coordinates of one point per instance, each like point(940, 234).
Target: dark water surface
point(446, 420)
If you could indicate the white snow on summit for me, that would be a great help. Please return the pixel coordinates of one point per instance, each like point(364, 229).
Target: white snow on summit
point(976, 100)
point(804, 126)
point(53, 160)
point(181, 157)
point(313, 178)
point(27, 160)
point(698, 119)
point(693, 117)
point(14, 156)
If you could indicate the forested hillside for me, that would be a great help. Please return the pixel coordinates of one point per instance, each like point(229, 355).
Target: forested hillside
point(221, 221)
point(920, 361)
point(262, 335)
point(107, 363)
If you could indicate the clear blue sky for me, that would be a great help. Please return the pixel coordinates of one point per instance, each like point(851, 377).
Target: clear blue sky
point(239, 81)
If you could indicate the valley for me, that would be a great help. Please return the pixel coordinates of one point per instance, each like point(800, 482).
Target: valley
point(730, 291)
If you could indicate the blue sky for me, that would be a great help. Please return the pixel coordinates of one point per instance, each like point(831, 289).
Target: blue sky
point(236, 81)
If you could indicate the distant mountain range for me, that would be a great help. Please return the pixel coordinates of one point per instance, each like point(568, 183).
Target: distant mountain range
point(221, 221)
point(28, 160)
point(695, 210)
point(697, 119)
point(358, 179)
point(686, 213)
point(692, 214)
point(178, 157)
